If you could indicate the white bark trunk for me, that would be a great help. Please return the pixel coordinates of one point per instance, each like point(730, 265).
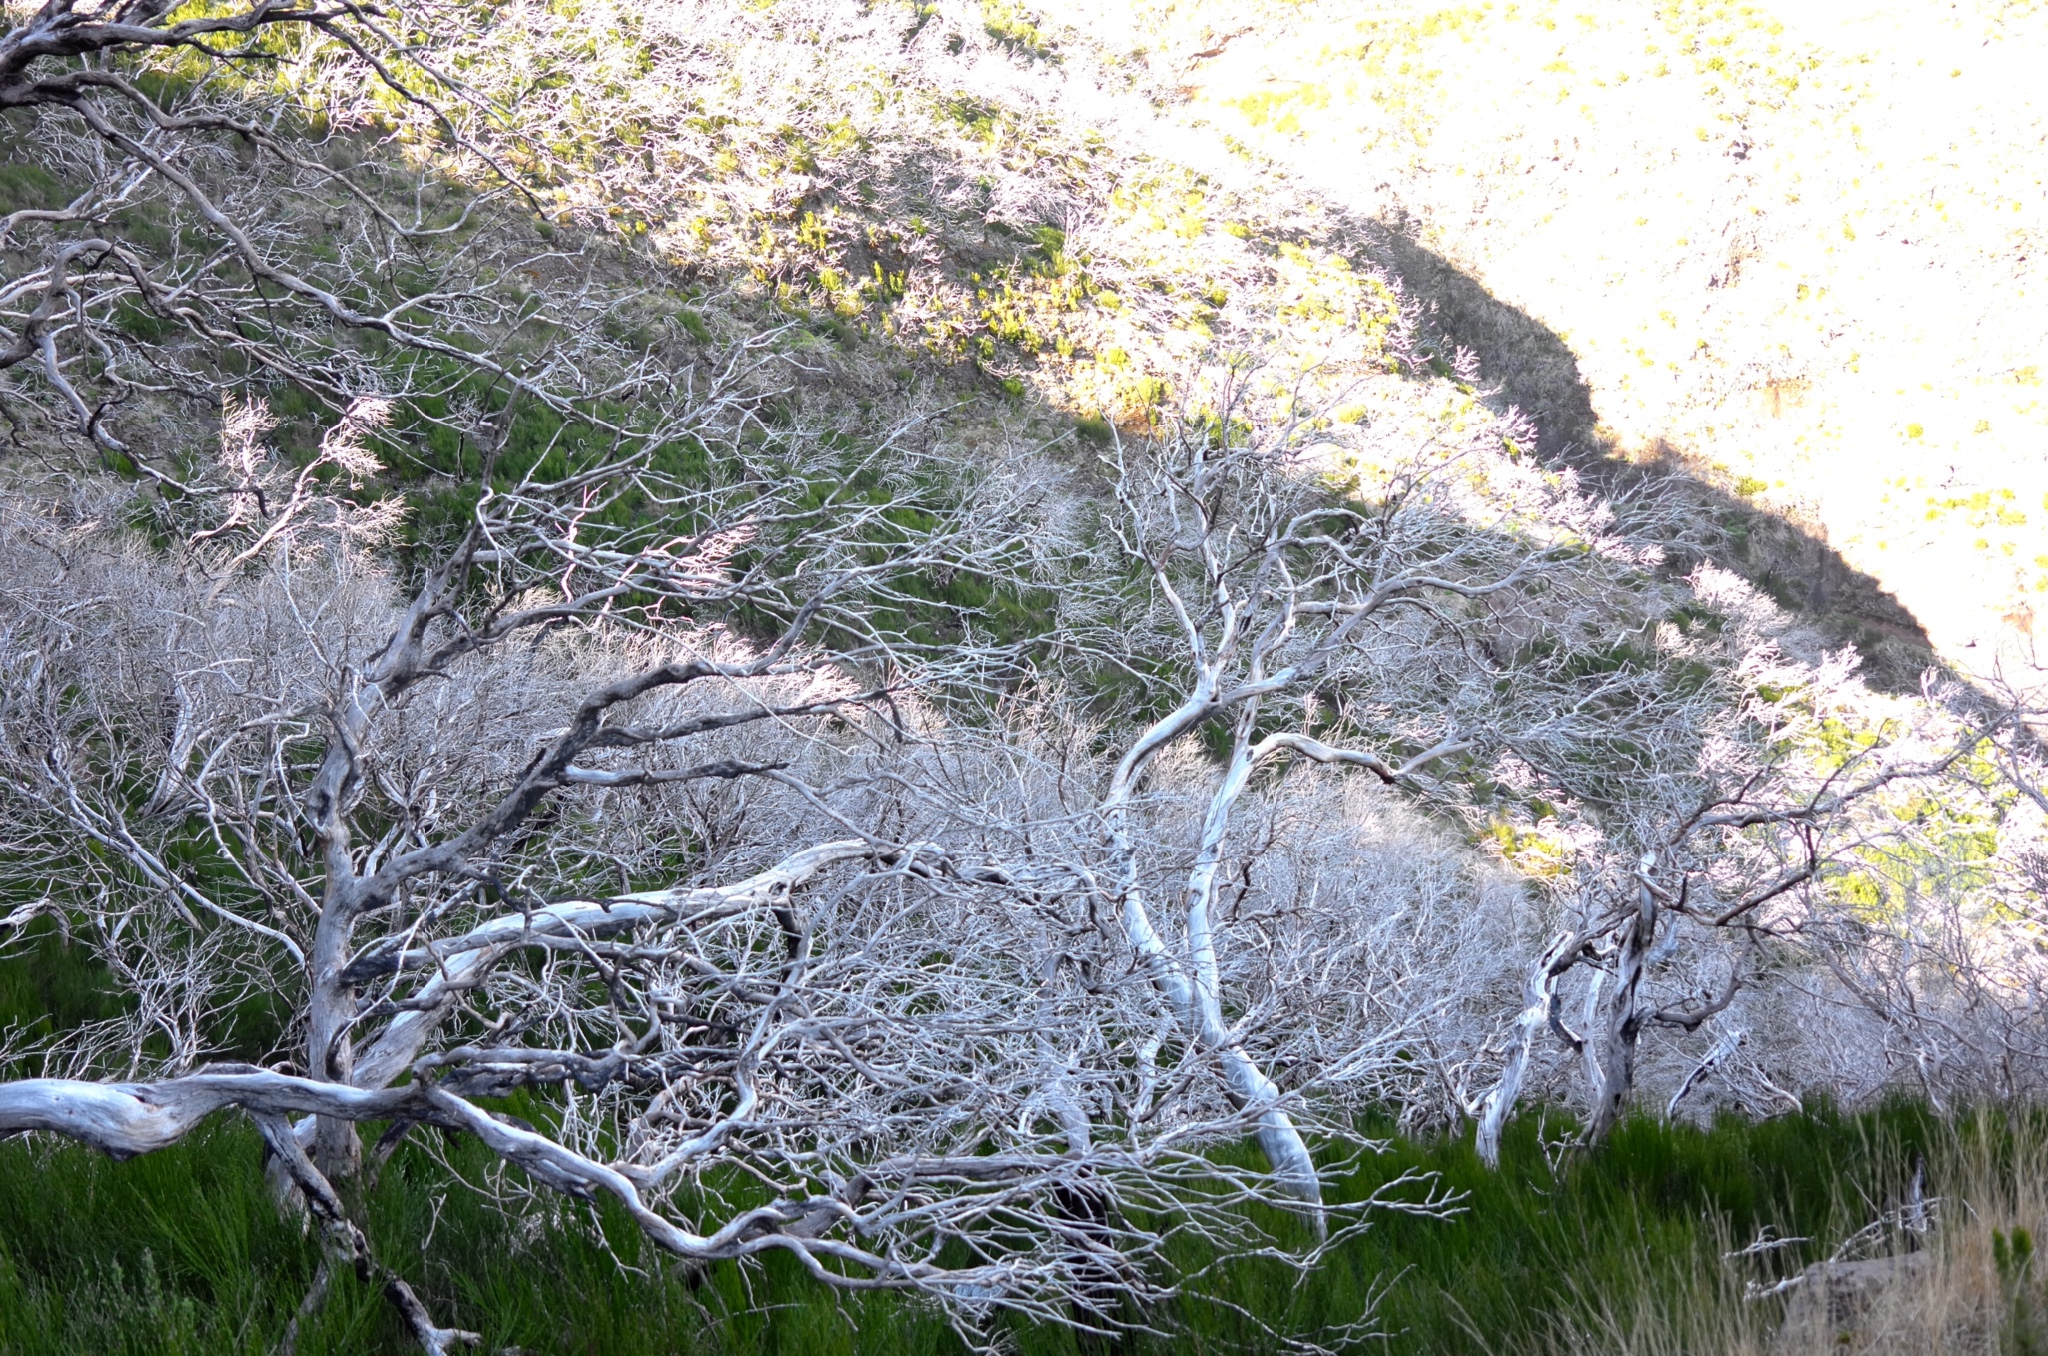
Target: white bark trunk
point(1196, 998)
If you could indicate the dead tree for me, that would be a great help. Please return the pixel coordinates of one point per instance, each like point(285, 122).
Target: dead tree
point(640, 790)
point(670, 784)
point(1784, 806)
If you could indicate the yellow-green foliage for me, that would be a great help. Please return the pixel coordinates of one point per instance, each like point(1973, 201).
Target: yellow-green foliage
point(1016, 28)
point(850, 171)
point(1917, 842)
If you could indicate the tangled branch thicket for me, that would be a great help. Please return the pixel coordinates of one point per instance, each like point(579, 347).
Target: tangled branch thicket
point(853, 830)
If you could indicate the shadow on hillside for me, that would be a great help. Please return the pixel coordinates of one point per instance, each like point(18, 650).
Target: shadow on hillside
point(1536, 370)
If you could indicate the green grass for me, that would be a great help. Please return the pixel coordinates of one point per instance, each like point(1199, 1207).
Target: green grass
point(47, 985)
point(182, 1251)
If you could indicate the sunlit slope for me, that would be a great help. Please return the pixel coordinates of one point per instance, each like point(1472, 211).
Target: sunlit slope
point(1798, 243)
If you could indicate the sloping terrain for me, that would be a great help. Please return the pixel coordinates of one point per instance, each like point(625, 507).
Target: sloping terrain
point(1797, 246)
point(968, 236)
point(1064, 375)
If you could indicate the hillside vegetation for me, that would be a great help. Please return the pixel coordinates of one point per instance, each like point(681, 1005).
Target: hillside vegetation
point(1797, 246)
point(758, 675)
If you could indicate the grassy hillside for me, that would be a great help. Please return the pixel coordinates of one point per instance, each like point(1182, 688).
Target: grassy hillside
point(1799, 246)
point(1011, 233)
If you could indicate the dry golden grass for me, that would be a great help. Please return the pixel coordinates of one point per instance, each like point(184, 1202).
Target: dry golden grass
point(1971, 1287)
